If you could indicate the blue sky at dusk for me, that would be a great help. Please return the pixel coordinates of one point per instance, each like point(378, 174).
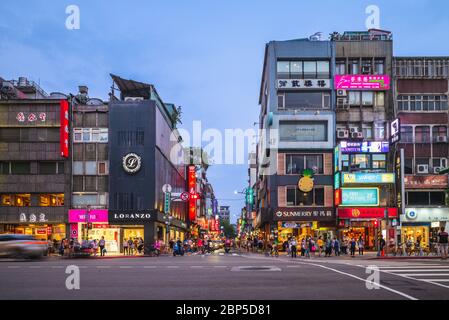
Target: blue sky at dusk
point(205, 55)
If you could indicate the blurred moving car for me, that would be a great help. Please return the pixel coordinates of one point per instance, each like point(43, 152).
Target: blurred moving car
point(22, 246)
point(217, 244)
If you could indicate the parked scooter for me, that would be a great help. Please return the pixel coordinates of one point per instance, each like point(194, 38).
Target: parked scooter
point(177, 250)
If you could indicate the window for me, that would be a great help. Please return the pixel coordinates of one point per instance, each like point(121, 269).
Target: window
point(78, 168)
point(408, 166)
point(306, 131)
point(297, 100)
point(295, 197)
point(367, 131)
point(379, 161)
point(84, 200)
point(424, 198)
point(322, 69)
point(20, 167)
point(90, 135)
point(61, 168)
point(345, 162)
point(47, 167)
point(296, 69)
point(283, 69)
point(102, 168)
point(16, 200)
point(379, 66)
point(296, 163)
point(367, 98)
point(90, 152)
point(354, 98)
point(366, 66)
point(51, 200)
point(353, 67)
point(91, 168)
point(340, 67)
point(281, 104)
point(310, 69)
point(439, 133)
point(360, 161)
point(380, 99)
point(422, 134)
point(4, 167)
point(422, 102)
point(379, 131)
point(29, 134)
point(90, 183)
point(407, 134)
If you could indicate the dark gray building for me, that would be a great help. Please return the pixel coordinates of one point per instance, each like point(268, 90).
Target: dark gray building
point(34, 177)
point(142, 136)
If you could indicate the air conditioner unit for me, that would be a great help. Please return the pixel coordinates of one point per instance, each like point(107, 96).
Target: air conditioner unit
point(441, 139)
point(357, 135)
point(353, 129)
point(437, 169)
point(366, 70)
point(422, 168)
point(360, 135)
point(341, 93)
point(342, 133)
point(133, 98)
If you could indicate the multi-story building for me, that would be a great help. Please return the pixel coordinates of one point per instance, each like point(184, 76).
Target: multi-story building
point(298, 135)
point(88, 216)
point(224, 213)
point(421, 104)
point(364, 181)
point(142, 143)
point(35, 172)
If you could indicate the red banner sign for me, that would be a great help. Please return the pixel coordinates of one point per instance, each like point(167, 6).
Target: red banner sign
point(191, 176)
point(64, 130)
point(428, 181)
point(366, 213)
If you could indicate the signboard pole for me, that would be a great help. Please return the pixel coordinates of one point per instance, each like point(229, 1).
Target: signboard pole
point(402, 186)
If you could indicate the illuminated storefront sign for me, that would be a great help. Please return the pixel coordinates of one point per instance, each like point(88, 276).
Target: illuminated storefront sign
point(395, 131)
point(80, 215)
point(428, 181)
point(337, 180)
point(362, 82)
point(366, 213)
point(191, 175)
point(364, 147)
point(64, 130)
point(366, 178)
point(303, 84)
point(337, 158)
point(31, 117)
point(305, 213)
point(359, 196)
point(425, 215)
point(337, 197)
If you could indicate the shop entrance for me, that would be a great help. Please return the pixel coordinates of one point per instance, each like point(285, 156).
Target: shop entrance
point(417, 235)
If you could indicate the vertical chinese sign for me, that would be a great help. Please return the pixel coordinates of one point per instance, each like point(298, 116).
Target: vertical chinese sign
point(64, 130)
point(192, 191)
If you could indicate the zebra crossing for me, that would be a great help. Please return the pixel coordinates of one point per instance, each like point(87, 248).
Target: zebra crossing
point(437, 274)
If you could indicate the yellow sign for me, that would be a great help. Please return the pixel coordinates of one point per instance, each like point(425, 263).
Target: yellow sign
point(305, 184)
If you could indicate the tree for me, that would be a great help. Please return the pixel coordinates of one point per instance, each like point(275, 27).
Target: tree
point(228, 229)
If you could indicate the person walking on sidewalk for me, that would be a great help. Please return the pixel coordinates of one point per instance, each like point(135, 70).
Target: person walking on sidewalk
point(320, 245)
point(125, 247)
point(361, 246)
point(336, 247)
point(102, 244)
point(381, 246)
point(293, 245)
point(352, 246)
point(443, 243)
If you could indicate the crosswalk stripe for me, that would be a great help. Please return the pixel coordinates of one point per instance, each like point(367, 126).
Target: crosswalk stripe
point(423, 274)
point(413, 270)
point(412, 267)
point(434, 280)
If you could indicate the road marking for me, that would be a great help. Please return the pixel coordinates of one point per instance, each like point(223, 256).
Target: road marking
point(424, 274)
point(126, 267)
point(103, 267)
point(57, 267)
point(198, 267)
point(413, 270)
point(34, 267)
point(432, 280)
point(293, 266)
point(412, 267)
point(14, 267)
point(149, 267)
point(220, 267)
point(172, 267)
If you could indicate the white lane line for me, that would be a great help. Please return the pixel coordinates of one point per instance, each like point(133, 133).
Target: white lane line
point(423, 274)
point(220, 267)
point(14, 267)
point(413, 270)
point(365, 280)
point(172, 267)
point(433, 280)
point(57, 267)
point(293, 266)
point(412, 267)
point(149, 267)
point(126, 267)
point(35, 267)
point(103, 267)
point(197, 267)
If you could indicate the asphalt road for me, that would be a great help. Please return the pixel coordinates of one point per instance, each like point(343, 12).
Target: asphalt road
point(218, 276)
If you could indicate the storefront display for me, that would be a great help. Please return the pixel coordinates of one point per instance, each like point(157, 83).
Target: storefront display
point(39, 231)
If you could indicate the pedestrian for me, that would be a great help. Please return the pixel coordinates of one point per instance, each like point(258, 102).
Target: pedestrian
point(131, 246)
point(352, 246)
point(443, 243)
point(320, 244)
point(94, 247)
point(306, 247)
point(200, 245)
point(360, 245)
point(293, 245)
point(170, 245)
point(328, 247)
point(380, 252)
point(61, 247)
point(285, 247)
point(336, 247)
point(312, 247)
point(102, 244)
point(140, 246)
point(125, 247)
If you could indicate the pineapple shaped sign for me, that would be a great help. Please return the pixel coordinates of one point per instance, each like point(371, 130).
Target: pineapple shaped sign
point(305, 184)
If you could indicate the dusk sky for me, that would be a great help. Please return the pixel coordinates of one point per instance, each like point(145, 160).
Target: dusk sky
point(204, 55)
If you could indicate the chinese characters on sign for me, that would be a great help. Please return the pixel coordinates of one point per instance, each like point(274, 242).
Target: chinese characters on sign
point(360, 81)
point(303, 84)
point(64, 130)
point(31, 117)
point(365, 146)
point(305, 213)
point(395, 131)
point(431, 181)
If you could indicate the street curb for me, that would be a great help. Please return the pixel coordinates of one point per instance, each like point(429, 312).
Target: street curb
point(404, 258)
